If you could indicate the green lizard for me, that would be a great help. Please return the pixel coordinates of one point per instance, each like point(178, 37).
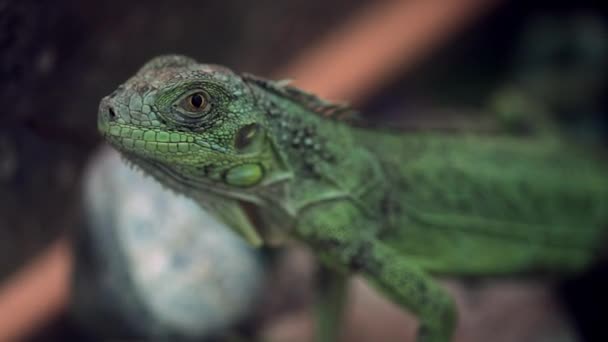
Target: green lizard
point(395, 207)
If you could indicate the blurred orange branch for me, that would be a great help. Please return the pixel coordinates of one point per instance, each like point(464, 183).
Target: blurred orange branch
point(378, 44)
point(37, 293)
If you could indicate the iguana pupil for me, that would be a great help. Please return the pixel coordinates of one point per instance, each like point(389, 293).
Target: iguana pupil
point(196, 100)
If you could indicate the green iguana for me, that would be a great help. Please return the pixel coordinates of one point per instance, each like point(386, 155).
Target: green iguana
point(396, 207)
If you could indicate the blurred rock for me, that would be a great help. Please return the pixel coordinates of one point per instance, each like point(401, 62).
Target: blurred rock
point(152, 264)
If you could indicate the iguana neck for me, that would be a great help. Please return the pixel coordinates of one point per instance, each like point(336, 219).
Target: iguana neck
point(327, 161)
point(304, 139)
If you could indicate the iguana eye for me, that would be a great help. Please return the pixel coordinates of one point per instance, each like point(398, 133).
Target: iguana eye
point(196, 104)
point(246, 136)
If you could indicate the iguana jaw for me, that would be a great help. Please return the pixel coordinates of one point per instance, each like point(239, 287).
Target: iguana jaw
point(146, 154)
point(145, 143)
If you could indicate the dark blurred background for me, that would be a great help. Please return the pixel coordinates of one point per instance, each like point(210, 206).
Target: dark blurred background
point(58, 58)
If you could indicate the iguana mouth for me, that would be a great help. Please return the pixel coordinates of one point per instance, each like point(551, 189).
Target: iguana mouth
point(151, 142)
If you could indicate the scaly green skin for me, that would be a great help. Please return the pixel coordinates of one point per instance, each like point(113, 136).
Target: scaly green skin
point(394, 207)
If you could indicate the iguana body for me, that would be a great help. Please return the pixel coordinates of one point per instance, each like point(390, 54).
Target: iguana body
point(394, 207)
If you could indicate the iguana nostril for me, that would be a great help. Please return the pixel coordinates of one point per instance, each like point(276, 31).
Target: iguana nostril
point(111, 114)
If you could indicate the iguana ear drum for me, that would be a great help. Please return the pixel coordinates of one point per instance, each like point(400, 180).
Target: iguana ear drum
point(246, 136)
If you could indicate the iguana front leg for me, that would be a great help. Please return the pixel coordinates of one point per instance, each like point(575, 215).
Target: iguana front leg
point(343, 240)
point(406, 284)
point(332, 288)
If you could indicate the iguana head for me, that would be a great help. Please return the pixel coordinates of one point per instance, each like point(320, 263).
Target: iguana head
point(191, 126)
